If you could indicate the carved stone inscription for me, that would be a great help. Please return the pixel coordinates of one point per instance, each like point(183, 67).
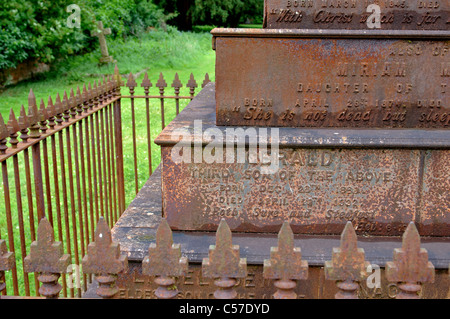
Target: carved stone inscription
point(134, 285)
point(333, 83)
point(316, 190)
point(358, 14)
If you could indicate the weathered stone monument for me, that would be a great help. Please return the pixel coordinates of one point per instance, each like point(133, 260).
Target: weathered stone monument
point(336, 111)
point(101, 33)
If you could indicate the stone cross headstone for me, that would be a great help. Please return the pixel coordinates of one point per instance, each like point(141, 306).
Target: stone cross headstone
point(101, 33)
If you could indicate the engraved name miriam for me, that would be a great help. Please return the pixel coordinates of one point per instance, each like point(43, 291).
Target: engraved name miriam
point(365, 69)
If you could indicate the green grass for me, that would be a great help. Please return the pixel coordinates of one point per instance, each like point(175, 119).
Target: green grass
point(251, 26)
point(173, 52)
point(166, 52)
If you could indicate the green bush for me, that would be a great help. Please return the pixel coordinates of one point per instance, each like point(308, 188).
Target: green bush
point(38, 30)
point(35, 30)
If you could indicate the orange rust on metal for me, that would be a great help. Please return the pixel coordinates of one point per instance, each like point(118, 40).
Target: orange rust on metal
point(131, 83)
point(157, 97)
point(192, 84)
point(177, 83)
point(161, 84)
point(23, 124)
point(284, 81)
point(146, 83)
point(348, 266)
point(135, 285)
point(7, 262)
point(13, 128)
point(43, 116)
point(33, 115)
point(164, 261)
point(223, 262)
point(317, 190)
point(48, 259)
point(206, 80)
point(410, 267)
point(355, 14)
point(435, 197)
point(104, 260)
point(3, 135)
point(285, 264)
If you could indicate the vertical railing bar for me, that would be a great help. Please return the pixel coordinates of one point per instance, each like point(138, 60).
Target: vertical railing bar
point(133, 127)
point(177, 103)
point(113, 165)
point(108, 157)
point(119, 155)
point(99, 163)
point(89, 180)
point(89, 185)
point(94, 171)
point(85, 238)
point(147, 84)
point(20, 220)
point(47, 182)
point(30, 206)
point(161, 84)
point(6, 194)
point(65, 200)
point(131, 84)
point(79, 198)
point(58, 202)
point(72, 200)
point(34, 120)
point(105, 178)
point(87, 105)
point(83, 200)
point(29, 194)
point(149, 133)
point(177, 85)
point(38, 181)
point(57, 191)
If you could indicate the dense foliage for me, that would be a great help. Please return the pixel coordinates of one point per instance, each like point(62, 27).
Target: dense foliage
point(38, 29)
point(228, 13)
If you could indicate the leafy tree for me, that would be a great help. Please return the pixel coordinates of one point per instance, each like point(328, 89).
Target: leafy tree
point(34, 30)
point(182, 9)
point(38, 30)
point(213, 12)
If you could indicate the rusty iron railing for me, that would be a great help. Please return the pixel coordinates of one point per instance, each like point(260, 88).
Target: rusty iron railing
point(77, 172)
point(410, 268)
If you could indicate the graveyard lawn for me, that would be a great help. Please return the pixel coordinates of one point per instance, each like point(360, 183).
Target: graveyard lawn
point(154, 52)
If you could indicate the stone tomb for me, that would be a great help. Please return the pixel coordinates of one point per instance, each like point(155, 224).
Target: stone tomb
point(136, 229)
point(361, 121)
point(378, 179)
point(296, 78)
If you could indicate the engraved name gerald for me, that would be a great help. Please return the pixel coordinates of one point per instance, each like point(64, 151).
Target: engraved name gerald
point(311, 188)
